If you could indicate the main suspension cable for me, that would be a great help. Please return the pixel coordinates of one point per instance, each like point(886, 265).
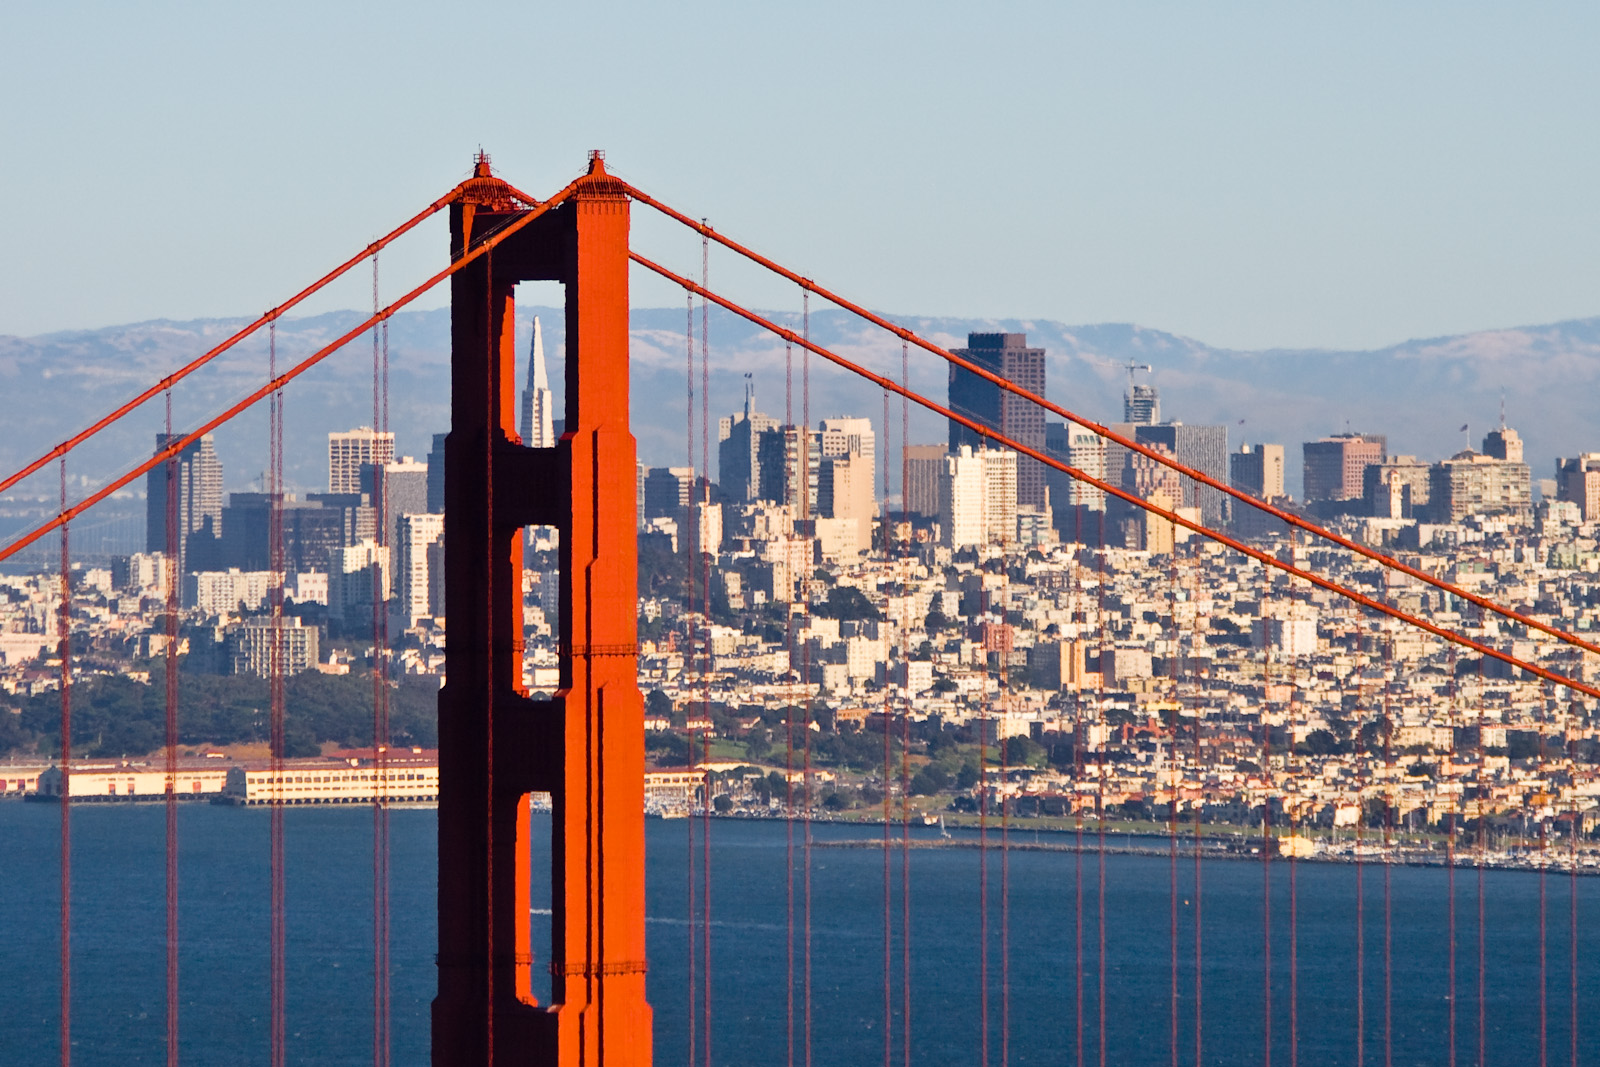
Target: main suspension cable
point(1165, 459)
point(1126, 495)
point(166, 383)
point(173, 448)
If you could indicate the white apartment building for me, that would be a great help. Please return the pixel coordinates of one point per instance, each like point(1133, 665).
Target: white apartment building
point(347, 452)
point(961, 518)
point(978, 497)
point(351, 585)
point(221, 592)
point(417, 534)
point(999, 494)
point(251, 643)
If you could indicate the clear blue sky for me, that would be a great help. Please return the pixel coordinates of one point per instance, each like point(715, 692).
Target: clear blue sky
point(1251, 174)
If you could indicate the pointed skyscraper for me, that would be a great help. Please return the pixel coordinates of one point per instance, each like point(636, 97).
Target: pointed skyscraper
point(538, 418)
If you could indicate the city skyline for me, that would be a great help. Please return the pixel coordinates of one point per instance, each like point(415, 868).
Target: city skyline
point(1283, 397)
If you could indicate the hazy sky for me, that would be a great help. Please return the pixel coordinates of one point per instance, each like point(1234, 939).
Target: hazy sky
point(1251, 174)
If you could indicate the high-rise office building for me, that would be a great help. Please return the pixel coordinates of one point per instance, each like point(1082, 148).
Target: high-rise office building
point(739, 448)
point(961, 517)
point(1257, 470)
point(845, 435)
point(1334, 467)
point(1398, 488)
point(1008, 356)
point(667, 492)
point(436, 475)
point(359, 573)
point(1141, 405)
point(417, 534)
point(349, 451)
point(924, 467)
point(247, 531)
point(1578, 480)
point(1000, 472)
point(538, 403)
point(1205, 448)
point(1472, 483)
point(784, 478)
point(1077, 447)
point(978, 497)
point(396, 489)
point(1145, 477)
point(196, 480)
point(1504, 443)
point(844, 493)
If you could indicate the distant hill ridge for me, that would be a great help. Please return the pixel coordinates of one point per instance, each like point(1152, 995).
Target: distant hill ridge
point(1418, 392)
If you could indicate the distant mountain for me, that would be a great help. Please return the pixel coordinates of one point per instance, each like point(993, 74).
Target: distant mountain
point(1419, 392)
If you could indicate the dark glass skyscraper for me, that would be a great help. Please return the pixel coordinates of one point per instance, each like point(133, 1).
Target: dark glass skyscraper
point(1008, 356)
point(1204, 448)
point(197, 485)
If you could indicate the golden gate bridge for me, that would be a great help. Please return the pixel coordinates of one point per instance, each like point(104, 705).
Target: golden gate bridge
point(584, 746)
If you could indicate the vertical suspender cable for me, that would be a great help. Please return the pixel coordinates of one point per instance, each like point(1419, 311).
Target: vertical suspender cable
point(1388, 854)
point(1576, 829)
point(1103, 741)
point(64, 645)
point(1077, 809)
point(383, 721)
point(1294, 861)
point(983, 873)
point(1004, 651)
point(805, 516)
point(1291, 815)
point(380, 695)
point(275, 689)
point(1172, 822)
point(1450, 868)
point(171, 685)
point(788, 745)
point(693, 989)
point(904, 730)
point(1005, 810)
point(1199, 979)
point(1361, 754)
point(1483, 846)
point(1544, 973)
point(698, 535)
point(888, 774)
point(1266, 862)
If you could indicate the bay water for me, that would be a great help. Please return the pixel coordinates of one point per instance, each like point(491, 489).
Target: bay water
point(1050, 930)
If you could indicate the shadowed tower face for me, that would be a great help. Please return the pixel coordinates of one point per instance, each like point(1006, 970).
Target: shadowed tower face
point(538, 403)
point(1008, 356)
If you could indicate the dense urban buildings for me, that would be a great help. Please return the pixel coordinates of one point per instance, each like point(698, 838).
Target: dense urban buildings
point(1008, 356)
point(964, 613)
point(1334, 468)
